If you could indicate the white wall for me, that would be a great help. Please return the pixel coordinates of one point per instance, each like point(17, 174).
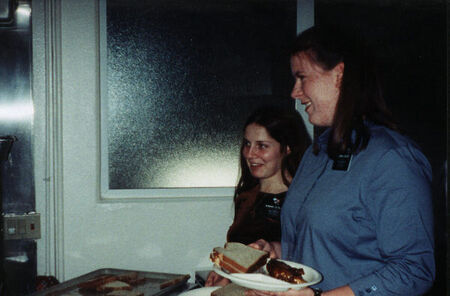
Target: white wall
point(79, 233)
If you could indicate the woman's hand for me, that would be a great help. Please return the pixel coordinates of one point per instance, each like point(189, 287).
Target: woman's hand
point(274, 248)
point(290, 292)
point(216, 280)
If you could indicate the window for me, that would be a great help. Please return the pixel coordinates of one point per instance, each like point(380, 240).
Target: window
point(178, 79)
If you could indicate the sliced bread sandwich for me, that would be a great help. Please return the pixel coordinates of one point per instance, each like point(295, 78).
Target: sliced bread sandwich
point(238, 258)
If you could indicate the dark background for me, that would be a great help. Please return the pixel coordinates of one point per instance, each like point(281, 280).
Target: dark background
point(409, 39)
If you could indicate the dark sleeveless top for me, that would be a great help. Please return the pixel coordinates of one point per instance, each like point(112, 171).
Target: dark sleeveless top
point(257, 215)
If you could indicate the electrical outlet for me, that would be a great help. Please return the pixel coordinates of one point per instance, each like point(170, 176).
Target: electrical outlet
point(25, 226)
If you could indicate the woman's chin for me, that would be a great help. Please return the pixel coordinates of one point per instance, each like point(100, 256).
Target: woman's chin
point(256, 175)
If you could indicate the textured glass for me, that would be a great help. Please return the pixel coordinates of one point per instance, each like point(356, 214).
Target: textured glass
point(182, 76)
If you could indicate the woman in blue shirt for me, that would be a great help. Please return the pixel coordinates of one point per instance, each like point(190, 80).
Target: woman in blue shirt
point(359, 208)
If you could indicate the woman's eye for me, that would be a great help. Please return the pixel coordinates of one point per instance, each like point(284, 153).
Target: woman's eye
point(262, 146)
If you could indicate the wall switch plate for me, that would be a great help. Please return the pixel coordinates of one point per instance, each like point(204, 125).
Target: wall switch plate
point(25, 226)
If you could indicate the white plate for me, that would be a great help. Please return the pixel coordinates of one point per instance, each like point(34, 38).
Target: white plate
point(261, 281)
point(205, 291)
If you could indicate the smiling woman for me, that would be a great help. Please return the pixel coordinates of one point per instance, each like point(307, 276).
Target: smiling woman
point(359, 178)
point(273, 144)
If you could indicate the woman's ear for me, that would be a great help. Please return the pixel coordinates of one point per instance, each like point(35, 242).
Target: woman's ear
point(339, 71)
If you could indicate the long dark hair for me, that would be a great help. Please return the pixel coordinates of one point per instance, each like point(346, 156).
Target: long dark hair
point(287, 128)
point(360, 97)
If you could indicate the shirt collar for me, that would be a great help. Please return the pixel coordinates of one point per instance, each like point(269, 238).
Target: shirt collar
point(322, 140)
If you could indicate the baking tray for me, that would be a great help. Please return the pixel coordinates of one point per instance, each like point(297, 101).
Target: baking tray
point(156, 283)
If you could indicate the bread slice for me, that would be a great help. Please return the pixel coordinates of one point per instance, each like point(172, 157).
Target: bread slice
point(113, 286)
point(92, 284)
point(230, 290)
point(238, 258)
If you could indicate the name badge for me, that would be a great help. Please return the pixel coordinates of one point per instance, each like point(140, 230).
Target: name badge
point(342, 162)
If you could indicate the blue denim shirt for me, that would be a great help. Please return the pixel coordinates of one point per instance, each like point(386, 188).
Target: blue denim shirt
point(370, 226)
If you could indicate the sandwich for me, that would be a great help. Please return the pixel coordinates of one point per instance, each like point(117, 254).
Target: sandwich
point(238, 258)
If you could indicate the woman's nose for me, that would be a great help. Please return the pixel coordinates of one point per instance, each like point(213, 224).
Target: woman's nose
point(297, 91)
point(249, 152)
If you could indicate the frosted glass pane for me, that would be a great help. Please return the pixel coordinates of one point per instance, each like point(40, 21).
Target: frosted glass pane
point(182, 76)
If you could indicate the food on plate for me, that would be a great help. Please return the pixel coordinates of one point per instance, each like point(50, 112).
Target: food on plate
point(283, 271)
point(238, 258)
point(229, 290)
point(113, 286)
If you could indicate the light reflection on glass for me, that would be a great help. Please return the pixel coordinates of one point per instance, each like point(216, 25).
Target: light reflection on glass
point(22, 16)
point(24, 10)
point(16, 111)
point(206, 170)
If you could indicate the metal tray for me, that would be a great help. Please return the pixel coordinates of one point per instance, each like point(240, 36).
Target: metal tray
point(156, 283)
